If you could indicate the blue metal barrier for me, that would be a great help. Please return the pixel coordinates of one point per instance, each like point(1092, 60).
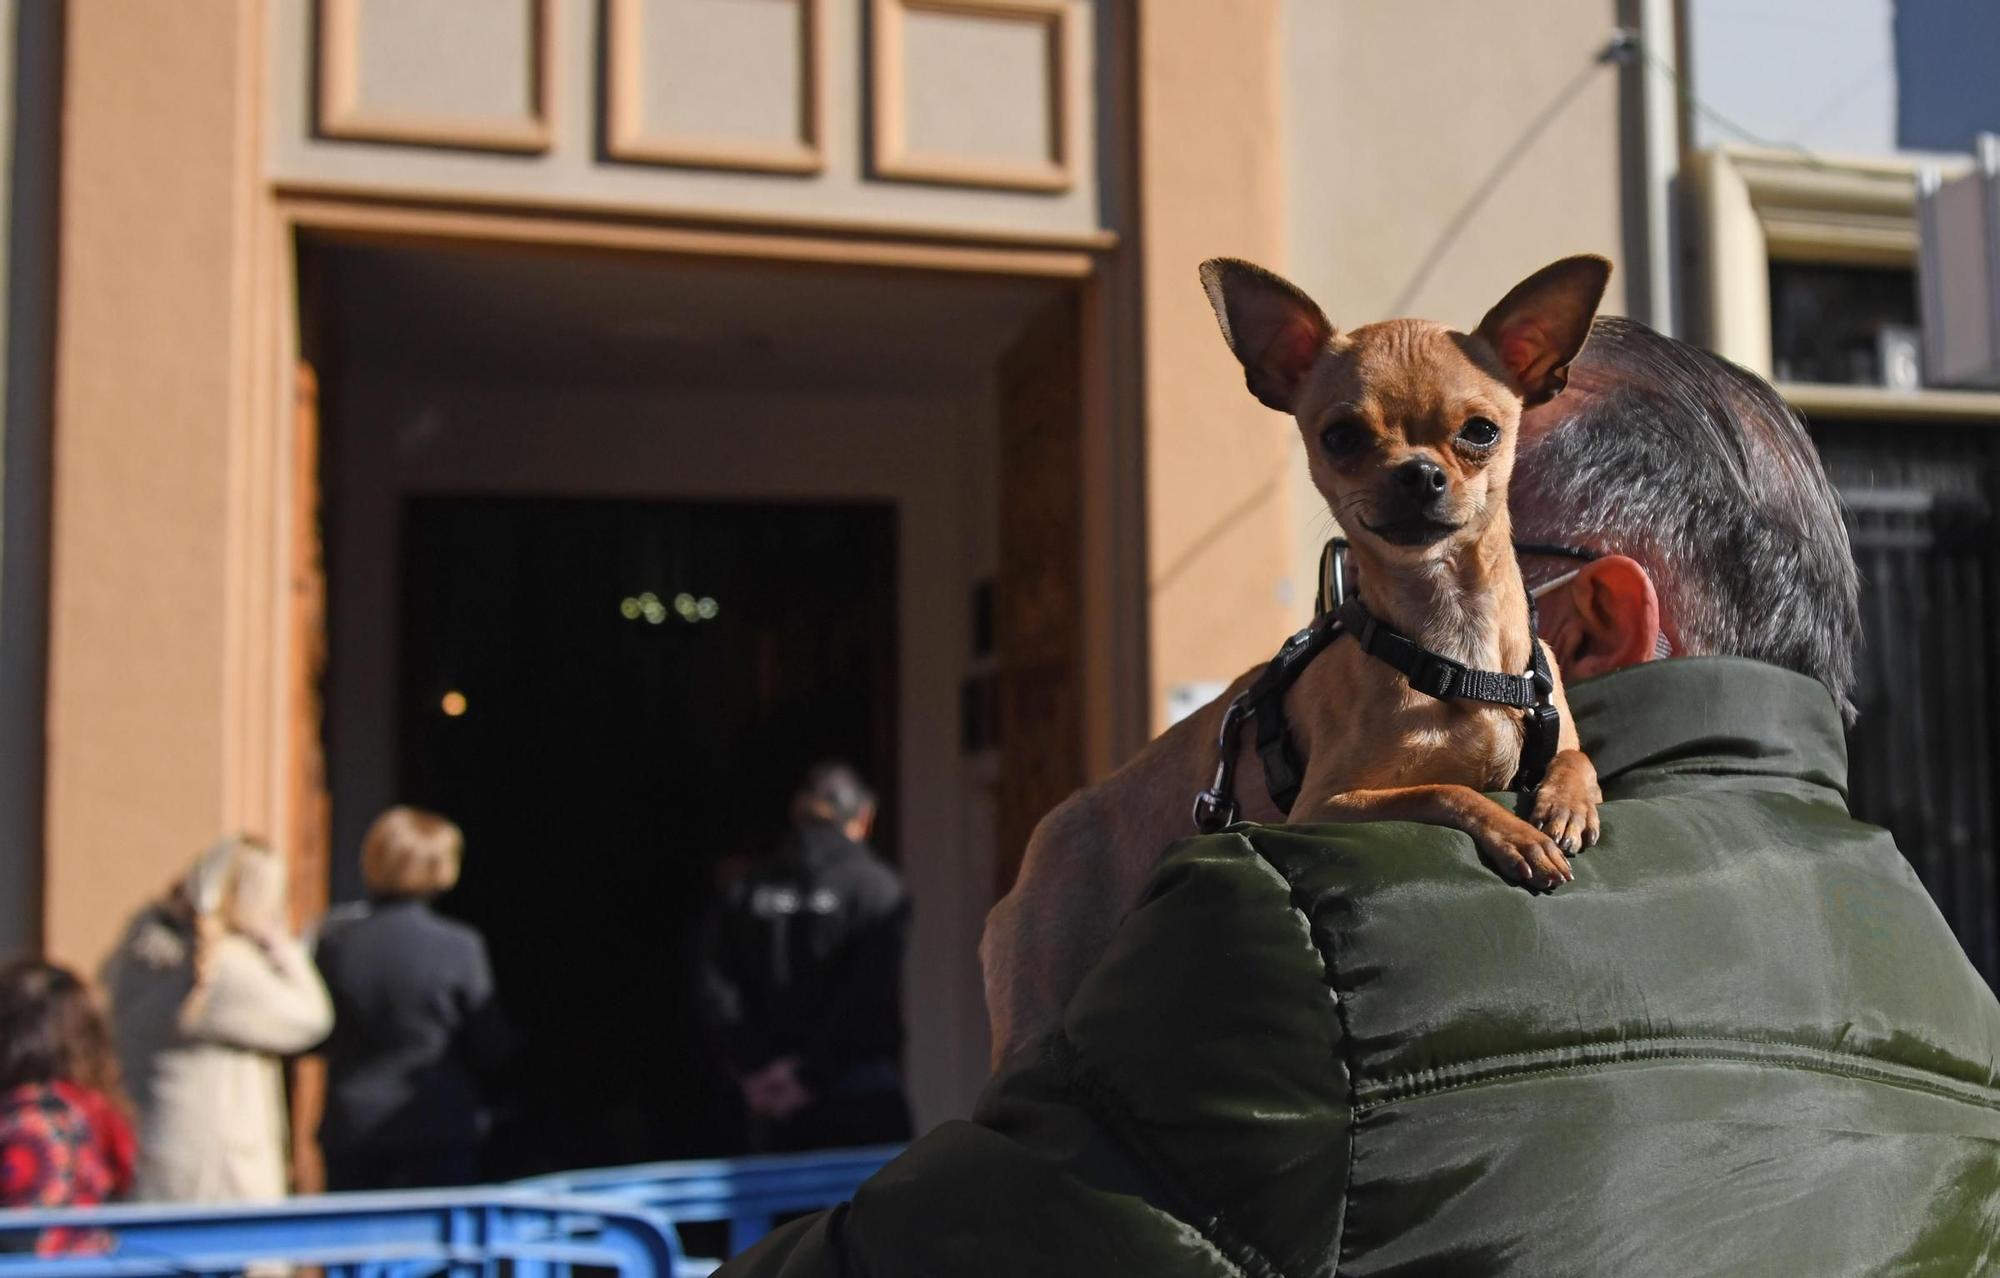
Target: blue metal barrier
point(619, 1220)
point(399, 1235)
point(749, 1193)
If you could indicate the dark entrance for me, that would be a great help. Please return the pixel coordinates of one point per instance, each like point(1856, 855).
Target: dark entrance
point(612, 699)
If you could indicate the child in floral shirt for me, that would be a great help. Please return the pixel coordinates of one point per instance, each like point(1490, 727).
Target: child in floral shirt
point(65, 1140)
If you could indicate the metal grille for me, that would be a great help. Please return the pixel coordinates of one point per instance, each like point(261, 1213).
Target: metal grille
point(1920, 510)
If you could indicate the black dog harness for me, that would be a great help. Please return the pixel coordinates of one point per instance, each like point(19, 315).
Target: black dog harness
point(1428, 672)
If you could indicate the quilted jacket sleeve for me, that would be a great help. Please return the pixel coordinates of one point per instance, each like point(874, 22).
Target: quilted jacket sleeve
point(1743, 1041)
point(1062, 1173)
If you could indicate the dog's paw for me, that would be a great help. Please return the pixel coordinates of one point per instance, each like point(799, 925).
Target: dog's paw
point(1565, 806)
point(1521, 852)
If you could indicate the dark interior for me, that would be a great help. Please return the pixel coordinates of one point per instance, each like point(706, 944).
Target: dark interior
point(621, 746)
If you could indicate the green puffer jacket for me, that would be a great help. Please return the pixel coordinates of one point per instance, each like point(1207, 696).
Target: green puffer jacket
point(1742, 1042)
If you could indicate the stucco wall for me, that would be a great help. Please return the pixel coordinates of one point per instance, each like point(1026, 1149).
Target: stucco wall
point(963, 83)
point(151, 402)
point(1211, 182)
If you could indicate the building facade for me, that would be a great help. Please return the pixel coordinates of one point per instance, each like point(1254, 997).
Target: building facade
point(579, 414)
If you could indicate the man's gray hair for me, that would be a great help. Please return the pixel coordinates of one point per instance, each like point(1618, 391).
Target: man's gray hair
point(1697, 469)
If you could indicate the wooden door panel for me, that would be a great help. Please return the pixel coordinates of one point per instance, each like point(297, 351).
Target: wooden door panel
point(1038, 612)
point(310, 812)
point(310, 816)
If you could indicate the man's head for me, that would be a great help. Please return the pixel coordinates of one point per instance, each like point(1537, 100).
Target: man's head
point(1704, 494)
point(834, 794)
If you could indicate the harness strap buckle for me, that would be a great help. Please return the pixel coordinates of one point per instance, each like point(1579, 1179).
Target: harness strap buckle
point(1538, 668)
point(1441, 677)
point(1538, 747)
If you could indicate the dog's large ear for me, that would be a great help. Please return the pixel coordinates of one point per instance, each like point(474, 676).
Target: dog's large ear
point(1275, 331)
point(1541, 324)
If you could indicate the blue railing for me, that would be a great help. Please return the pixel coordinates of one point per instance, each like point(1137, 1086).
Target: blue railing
point(748, 1193)
point(618, 1220)
point(350, 1236)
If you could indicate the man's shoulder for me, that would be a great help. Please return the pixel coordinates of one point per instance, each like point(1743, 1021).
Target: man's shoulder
point(871, 881)
point(1750, 916)
point(847, 870)
point(361, 928)
point(443, 935)
point(339, 922)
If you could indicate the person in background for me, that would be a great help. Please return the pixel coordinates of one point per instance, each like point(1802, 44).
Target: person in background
point(65, 1140)
point(209, 991)
point(417, 1020)
point(801, 978)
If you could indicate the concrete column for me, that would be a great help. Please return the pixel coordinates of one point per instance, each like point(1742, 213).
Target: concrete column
point(153, 399)
point(30, 101)
point(1210, 182)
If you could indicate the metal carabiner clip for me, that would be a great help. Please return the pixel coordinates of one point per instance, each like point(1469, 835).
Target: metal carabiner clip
point(1213, 810)
point(1215, 807)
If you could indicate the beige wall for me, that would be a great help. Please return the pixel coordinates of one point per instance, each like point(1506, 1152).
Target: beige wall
point(1428, 174)
point(150, 592)
point(1436, 154)
point(976, 55)
point(1211, 181)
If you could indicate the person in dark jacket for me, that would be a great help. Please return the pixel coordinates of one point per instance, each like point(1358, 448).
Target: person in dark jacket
point(417, 1021)
point(1743, 1041)
point(802, 978)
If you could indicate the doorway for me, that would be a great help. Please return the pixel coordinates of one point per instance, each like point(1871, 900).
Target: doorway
point(519, 448)
point(613, 699)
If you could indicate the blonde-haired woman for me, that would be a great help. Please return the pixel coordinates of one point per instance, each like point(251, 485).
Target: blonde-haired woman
point(209, 992)
point(417, 1020)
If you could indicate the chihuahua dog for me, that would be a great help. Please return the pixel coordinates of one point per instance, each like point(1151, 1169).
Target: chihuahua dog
point(1410, 431)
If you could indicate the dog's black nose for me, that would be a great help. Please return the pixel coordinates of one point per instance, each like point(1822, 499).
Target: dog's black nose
point(1421, 477)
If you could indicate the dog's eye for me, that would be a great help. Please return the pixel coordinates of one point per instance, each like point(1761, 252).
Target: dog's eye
point(1345, 438)
point(1479, 433)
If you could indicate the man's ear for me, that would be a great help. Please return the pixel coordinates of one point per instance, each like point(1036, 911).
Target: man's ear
point(1611, 618)
point(1541, 324)
point(1275, 330)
